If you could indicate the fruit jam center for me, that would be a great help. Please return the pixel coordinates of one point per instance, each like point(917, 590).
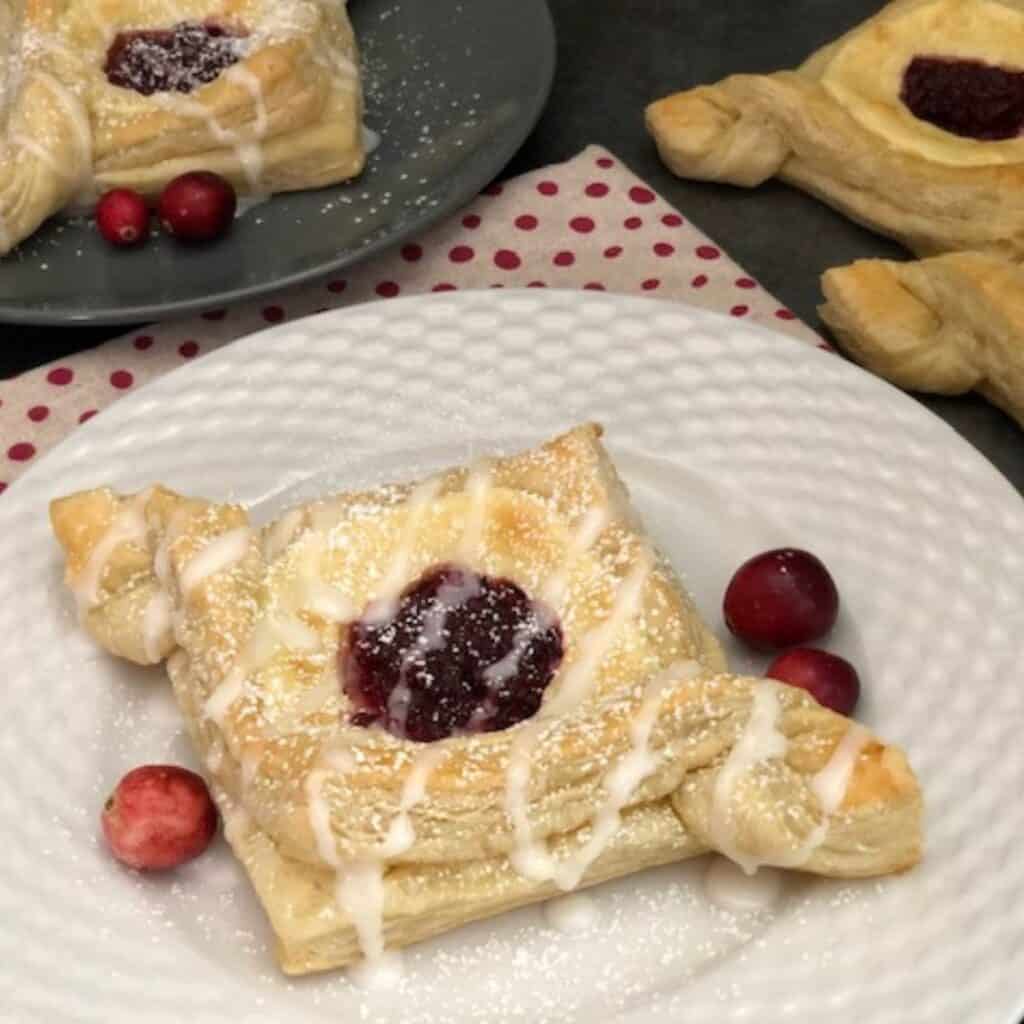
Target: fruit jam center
point(965, 97)
point(458, 652)
point(177, 59)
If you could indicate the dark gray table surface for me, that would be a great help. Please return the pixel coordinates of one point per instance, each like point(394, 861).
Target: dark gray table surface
point(614, 58)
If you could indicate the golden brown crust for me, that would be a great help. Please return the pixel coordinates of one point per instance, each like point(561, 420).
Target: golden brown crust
point(635, 647)
point(836, 127)
point(946, 325)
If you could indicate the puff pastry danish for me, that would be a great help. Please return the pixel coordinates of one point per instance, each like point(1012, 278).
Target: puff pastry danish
point(912, 124)
point(97, 94)
point(946, 325)
point(425, 704)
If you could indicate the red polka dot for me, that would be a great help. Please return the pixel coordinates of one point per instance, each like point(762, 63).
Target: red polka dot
point(739, 310)
point(650, 284)
point(87, 415)
point(745, 282)
point(641, 195)
point(564, 259)
point(338, 285)
point(506, 259)
point(142, 342)
point(412, 252)
point(699, 281)
point(387, 289)
point(632, 223)
point(536, 284)
point(603, 161)
point(494, 189)
point(663, 249)
point(672, 220)
point(547, 188)
point(708, 252)
point(121, 379)
point(526, 222)
point(594, 286)
point(785, 314)
point(3, 487)
point(38, 413)
point(825, 346)
point(215, 314)
point(612, 252)
point(188, 349)
point(60, 376)
point(461, 254)
point(273, 314)
point(444, 286)
point(471, 221)
point(584, 225)
point(596, 189)
point(21, 452)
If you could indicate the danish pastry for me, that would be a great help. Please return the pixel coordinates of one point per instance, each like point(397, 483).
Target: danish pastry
point(97, 94)
point(912, 124)
point(424, 704)
point(946, 325)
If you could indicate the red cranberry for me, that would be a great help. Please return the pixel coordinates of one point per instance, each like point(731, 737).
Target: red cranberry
point(198, 206)
point(122, 217)
point(781, 598)
point(829, 679)
point(158, 817)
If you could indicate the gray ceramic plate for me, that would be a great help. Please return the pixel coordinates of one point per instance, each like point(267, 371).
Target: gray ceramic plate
point(452, 86)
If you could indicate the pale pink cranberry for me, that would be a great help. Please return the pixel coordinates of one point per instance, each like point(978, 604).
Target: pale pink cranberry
point(158, 817)
point(122, 217)
point(781, 598)
point(829, 679)
point(197, 207)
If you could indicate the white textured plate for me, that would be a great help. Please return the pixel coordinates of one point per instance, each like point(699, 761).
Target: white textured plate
point(733, 440)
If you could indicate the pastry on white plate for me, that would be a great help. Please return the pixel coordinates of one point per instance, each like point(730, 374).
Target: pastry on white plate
point(427, 703)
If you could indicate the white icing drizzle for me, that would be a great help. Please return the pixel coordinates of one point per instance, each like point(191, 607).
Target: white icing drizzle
point(530, 857)
point(269, 633)
point(401, 834)
point(761, 741)
point(575, 684)
point(327, 601)
point(419, 501)
point(450, 595)
point(128, 526)
point(371, 140)
point(282, 533)
point(219, 554)
point(731, 888)
point(576, 912)
point(582, 540)
point(623, 780)
point(228, 690)
point(156, 624)
point(252, 85)
point(478, 487)
point(248, 152)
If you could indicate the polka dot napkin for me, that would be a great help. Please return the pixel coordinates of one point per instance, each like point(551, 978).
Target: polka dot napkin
point(587, 223)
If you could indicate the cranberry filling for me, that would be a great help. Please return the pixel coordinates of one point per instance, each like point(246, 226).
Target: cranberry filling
point(177, 59)
point(459, 652)
point(965, 97)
